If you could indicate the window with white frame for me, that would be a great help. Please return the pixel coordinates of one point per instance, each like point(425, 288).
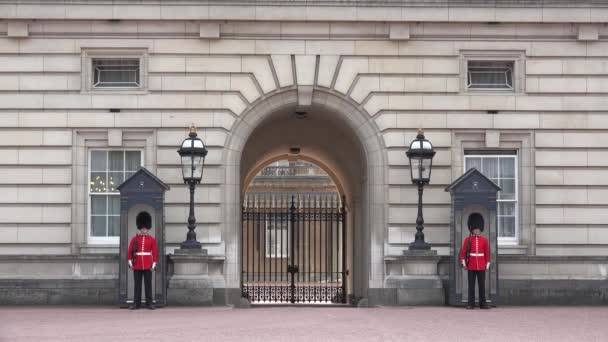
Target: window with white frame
point(490, 75)
point(116, 72)
point(502, 170)
point(107, 170)
point(276, 238)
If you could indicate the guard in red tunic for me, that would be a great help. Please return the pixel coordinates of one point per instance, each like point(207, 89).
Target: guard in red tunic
point(143, 256)
point(475, 257)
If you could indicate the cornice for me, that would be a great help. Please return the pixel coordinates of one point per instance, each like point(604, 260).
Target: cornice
point(340, 3)
point(537, 11)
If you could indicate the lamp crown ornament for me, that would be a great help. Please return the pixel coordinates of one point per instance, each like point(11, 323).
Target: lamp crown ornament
point(420, 134)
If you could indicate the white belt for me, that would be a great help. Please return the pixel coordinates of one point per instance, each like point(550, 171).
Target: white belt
point(143, 253)
point(476, 254)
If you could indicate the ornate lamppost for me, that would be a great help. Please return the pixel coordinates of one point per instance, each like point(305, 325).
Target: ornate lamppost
point(421, 155)
point(192, 153)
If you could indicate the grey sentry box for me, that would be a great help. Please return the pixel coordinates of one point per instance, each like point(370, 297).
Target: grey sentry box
point(143, 191)
point(472, 193)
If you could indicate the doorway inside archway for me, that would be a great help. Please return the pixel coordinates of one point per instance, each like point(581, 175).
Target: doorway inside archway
point(293, 236)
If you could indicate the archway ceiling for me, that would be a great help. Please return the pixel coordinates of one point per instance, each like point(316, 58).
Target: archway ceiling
point(322, 137)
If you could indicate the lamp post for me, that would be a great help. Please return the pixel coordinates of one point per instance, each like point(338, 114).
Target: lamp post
point(192, 153)
point(421, 155)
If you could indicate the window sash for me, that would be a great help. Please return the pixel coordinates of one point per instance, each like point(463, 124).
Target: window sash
point(506, 240)
point(490, 75)
point(106, 193)
point(116, 72)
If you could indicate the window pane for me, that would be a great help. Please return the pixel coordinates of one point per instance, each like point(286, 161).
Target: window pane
point(114, 180)
point(98, 160)
point(98, 182)
point(490, 74)
point(98, 205)
point(133, 160)
point(116, 161)
point(114, 226)
point(508, 189)
point(473, 162)
point(490, 167)
point(113, 205)
point(506, 226)
point(507, 167)
point(506, 209)
point(487, 78)
point(98, 226)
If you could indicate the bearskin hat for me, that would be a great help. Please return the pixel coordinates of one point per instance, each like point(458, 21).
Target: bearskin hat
point(475, 221)
point(143, 220)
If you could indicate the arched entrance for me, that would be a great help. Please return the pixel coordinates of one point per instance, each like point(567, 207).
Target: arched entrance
point(335, 135)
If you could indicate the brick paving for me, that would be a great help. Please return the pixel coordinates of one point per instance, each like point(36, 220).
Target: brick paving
point(317, 324)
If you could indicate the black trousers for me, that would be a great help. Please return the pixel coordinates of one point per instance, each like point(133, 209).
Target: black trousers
point(481, 282)
point(147, 277)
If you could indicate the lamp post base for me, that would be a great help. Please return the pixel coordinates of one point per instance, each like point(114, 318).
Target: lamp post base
point(191, 245)
point(419, 246)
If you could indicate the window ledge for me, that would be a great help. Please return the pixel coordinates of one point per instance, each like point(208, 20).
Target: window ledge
point(99, 249)
point(512, 249)
point(491, 92)
point(116, 91)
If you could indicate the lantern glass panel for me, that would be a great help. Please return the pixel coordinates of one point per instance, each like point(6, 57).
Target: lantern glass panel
point(425, 170)
point(415, 165)
point(197, 164)
point(197, 143)
point(187, 167)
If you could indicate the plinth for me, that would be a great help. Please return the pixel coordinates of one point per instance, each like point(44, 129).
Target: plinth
point(195, 278)
point(415, 278)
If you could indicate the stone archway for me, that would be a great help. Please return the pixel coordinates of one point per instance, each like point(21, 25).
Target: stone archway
point(340, 136)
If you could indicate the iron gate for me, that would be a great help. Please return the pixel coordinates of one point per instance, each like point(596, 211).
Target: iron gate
point(293, 248)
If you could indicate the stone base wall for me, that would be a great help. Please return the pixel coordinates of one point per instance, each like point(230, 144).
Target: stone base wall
point(524, 280)
point(58, 291)
point(104, 292)
point(553, 292)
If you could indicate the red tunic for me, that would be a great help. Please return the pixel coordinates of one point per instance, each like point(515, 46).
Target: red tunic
point(147, 252)
point(479, 255)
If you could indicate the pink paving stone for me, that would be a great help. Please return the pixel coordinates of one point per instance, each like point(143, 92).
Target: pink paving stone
point(317, 324)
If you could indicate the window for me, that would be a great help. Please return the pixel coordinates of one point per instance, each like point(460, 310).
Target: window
point(116, 73)
point(114, 70)
point(276, 238)
point(490, 75)
point(502, 170)
point(107, 170)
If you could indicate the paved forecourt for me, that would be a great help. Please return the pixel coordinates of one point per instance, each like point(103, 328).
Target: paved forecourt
point(303, 324)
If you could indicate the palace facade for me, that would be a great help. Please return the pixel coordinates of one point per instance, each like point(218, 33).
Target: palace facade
point(90, 91)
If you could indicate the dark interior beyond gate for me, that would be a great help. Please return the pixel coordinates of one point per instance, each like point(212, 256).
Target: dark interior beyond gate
point(293, 248)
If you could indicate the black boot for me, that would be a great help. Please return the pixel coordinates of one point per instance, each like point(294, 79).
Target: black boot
point(134, 307)
point(150, 306)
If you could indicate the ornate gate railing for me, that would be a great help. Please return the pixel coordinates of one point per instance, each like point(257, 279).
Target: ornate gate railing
point(293, 248)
